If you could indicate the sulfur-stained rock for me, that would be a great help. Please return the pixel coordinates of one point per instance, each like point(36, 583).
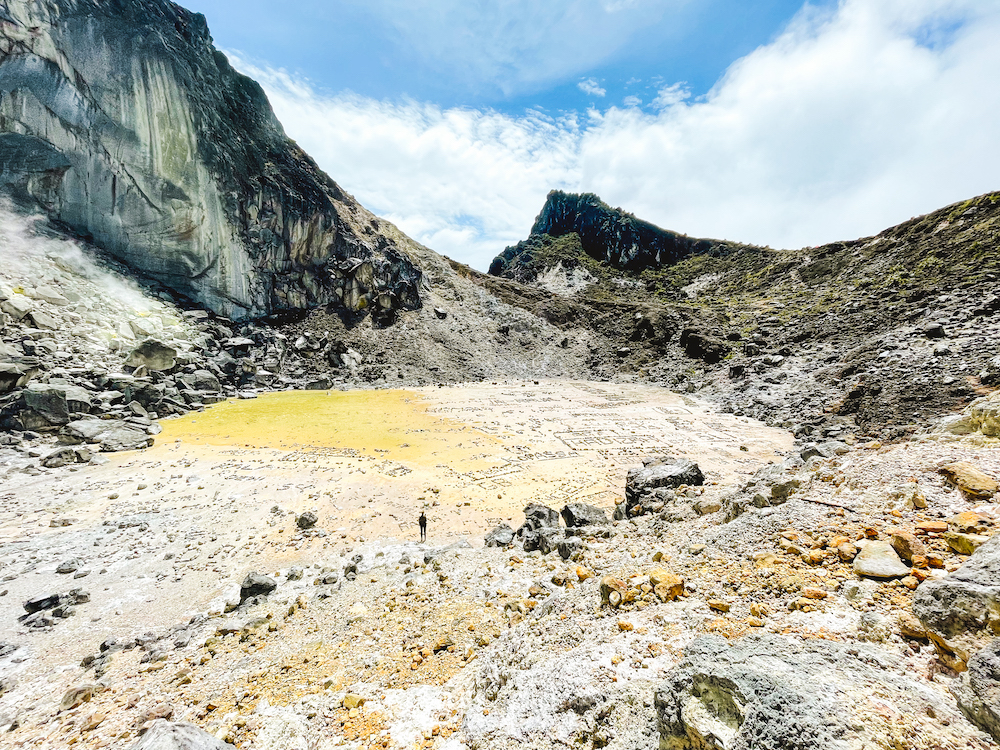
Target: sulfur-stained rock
point(666, 585)
point(969, 522)
point(932, 527)
point(964, 544)
point(910, 626)
point(970, 480)
point(76, 696)
point(907, 545)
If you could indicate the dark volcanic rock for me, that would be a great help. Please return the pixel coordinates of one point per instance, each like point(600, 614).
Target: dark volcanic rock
point(307, 520)
point(700, 346)
point(256, 584)
point(581, 514)
point(608, 234)
point(544, 540)
point(538, 516)
point(661, 472)
point(209, 197)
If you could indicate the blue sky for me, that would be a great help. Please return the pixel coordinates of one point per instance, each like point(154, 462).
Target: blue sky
point(509, 56)
point(773, 121)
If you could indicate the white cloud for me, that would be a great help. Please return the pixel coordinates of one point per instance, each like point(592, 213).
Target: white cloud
point(591, 87)
point(850, 121)
point(842, 126)
point(668, 96)
point(517, 45)
point(462, 181)
point(632, 101)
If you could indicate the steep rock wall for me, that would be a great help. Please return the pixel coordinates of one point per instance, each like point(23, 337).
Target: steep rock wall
point(124, 122)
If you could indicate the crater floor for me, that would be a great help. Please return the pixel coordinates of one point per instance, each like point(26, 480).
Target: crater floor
point(166, 534)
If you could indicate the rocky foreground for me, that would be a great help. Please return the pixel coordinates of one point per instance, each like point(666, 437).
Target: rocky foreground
point(844, 597)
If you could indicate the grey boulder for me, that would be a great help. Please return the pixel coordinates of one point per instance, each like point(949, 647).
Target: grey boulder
point(660, 472)
point(978, 690)
point(959, 608)
point(169, 735)
point(581, 514)
point(763, 692)
point(537, 516)
point(501, 536)
point(153, 355)
point(256, 584)
point(879, 560)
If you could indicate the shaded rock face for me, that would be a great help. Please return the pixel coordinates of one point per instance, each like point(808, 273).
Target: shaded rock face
point(608, 234)
point(978, 690)
point(122, 120)
point(960, 609)
point(758, 693)
point(771, 692)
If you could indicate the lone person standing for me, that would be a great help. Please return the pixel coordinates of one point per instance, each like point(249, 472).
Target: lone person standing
point(423, 526)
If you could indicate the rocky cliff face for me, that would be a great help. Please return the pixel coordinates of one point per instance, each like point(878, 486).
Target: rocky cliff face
point(605, 234)
point(124, 122)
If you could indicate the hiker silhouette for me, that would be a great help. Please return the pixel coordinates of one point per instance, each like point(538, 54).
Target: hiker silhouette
point(423, 526)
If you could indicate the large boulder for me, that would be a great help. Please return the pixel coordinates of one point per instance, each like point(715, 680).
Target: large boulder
point(544, 540)
point(664, 471)
point(169, 735)
point(111, 434)
point(959, 609)
point(970, 480)
point(501, 536)
point(581, 514)
point(201, 380)
point(708, 349)
point(256, 584)
point(978, 691)
point(878, 559)
point(661, 473)
point(16, 305)
point(770, 692)
point(48, 403)
point(537, 516)
point(121, 437)
point(14, 375)
point(153, 355)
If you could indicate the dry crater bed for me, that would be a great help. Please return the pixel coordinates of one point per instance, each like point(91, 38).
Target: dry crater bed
point(358, 635)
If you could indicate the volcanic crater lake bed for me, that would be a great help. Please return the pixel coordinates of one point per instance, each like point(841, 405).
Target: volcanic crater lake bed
point(159, 535)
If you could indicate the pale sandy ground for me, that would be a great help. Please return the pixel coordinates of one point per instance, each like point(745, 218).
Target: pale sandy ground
point(169, 531)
